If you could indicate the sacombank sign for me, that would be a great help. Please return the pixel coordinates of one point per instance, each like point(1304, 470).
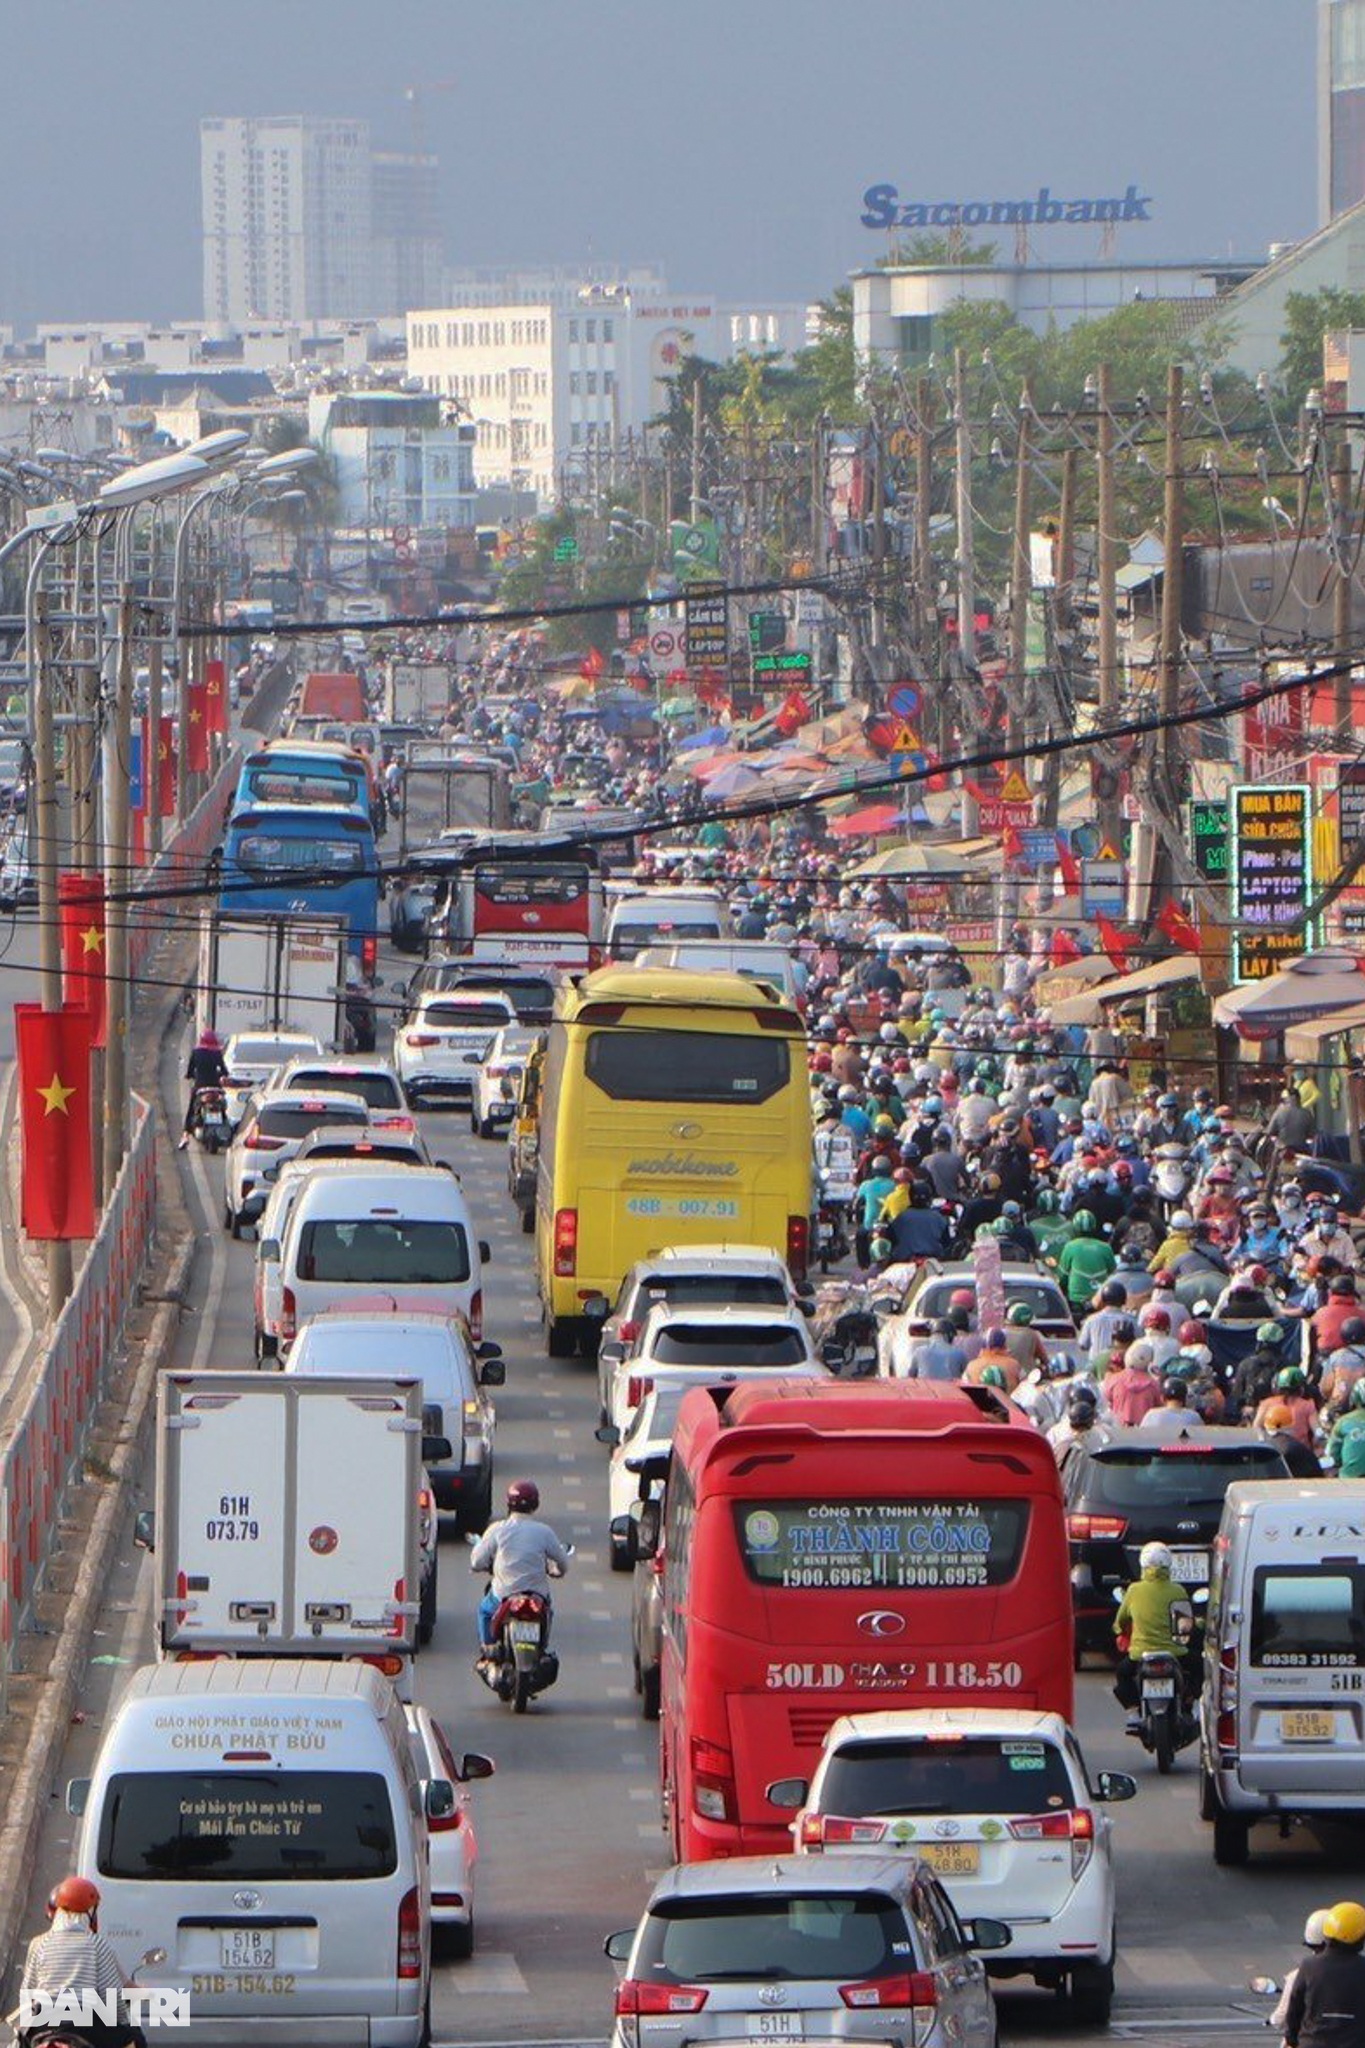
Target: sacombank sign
point(883, 207)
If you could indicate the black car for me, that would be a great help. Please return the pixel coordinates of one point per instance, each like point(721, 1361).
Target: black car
point(1148, 1486)
point(530, 992)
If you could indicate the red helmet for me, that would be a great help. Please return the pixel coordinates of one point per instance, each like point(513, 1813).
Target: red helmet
point(75, 1895)
point(962, 1297)
point(1156, 1318)
point(523, 1497)
point(1191, 1332)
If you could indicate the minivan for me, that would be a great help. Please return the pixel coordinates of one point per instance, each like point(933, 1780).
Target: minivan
point(664, 917)
point(1282, 1716)
point(405, 1232)
point(262, 1823)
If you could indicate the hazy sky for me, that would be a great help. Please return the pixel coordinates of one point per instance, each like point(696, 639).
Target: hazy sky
point(730, 140)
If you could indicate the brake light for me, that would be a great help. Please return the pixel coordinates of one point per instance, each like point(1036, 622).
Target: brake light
point(821, 1829)
point(386, 1662)
point(416, 1039)
point(1227, 1704)
point(629, 1331)
point(400, 1594)
point(566, 1243)
point(637, 1386)
point(713, 1781)
point(258, 1142)
point(369, 955)
point(1081, 1527)
point(410, 1934)
point(1077, 1827)
point(476, 1315)
point(633, 1997)
point(289, 1316)
point(914, 1987)
point(798, 1246)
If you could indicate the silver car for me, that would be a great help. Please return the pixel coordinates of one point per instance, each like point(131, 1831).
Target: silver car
point(758, 1948)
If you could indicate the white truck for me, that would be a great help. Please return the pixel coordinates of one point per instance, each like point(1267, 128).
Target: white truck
point(264, 974)
point(267, 1542)
point(446, 788)
point(418, 693)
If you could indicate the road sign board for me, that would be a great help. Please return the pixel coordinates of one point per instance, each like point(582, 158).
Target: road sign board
point(663, 643)
point(1104, 888)
point(566, 549)
point(993, 814)
point(1016, 790)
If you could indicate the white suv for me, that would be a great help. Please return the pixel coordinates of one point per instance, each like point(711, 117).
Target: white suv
point(713, 1347)
point(1001, 1804)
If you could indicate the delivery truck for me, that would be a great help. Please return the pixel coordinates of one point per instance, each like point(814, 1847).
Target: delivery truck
point(447, 789)
point(259, 973)
point(266, 1545)
point(332, 694)
point(418, 693)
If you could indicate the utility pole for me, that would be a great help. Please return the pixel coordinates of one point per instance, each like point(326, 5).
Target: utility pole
point(1064, 573)
point(878, 544)
point(924, 543)
point(45, 843)
point(966, 594)
point(1021, 577)
point(818, 446)
point(117, 869)
point(1341, 595)
point(1106, 593)
point(1173, 586)
point(694, 511)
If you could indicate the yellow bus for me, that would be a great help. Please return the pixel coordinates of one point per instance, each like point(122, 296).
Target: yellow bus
point(675, 1109)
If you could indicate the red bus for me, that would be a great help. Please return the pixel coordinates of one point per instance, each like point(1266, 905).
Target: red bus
point(525, 900)
point(831, 1549)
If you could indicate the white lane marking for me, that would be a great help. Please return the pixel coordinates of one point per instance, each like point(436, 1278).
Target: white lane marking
point(611, 1656)
point(649, 1831)
point(561, 1432)
point(617, 1692)
point(213, 1297)
point(485, 1976)
point(592, 1585)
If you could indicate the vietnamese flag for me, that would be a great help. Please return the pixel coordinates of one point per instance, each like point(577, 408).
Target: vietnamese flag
point(165, 766)
point(216, 696)
point(1178, 927)
point(1112, 940)
point(1064, 949)
point(1068, 863)
point(197, 736)
point(793, 715)
point(57, 1179)
point(80, 904)
point(592, 664)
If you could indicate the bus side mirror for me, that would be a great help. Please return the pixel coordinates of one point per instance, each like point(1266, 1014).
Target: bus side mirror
point(436, 1450)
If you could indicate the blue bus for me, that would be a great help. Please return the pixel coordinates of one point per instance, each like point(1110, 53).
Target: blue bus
point(302, 772)
point(296, 860)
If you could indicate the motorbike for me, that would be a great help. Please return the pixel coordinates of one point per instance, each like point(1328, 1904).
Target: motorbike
point(519, 1662)
point(1172, 1174)
point(832, 1239)
point(1165, 1714)
point(209, 1119)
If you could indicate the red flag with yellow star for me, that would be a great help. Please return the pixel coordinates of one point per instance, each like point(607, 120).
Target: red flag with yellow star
point(80, 901)
point(197, 742)
point(216, 695)
point(165, 765)
point(57, 1180)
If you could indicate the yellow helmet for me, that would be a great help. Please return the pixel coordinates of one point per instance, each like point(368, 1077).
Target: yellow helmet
point(1345, 1922)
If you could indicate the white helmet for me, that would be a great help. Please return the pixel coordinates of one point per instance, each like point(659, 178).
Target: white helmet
point(1313, 1936)
point(1155, 1557)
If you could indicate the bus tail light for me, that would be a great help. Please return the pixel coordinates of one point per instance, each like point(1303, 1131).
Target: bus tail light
point(400, 1594)
point(410, 1934)
point(798, 1246)
point(1227, 1705)
point(1077, 1827)
point(566, 1243)
point(369, 955)
point(476, 1315)
point(713, 1781)
point(819, 1830)
point(1081, 1528)
point(289, 1317)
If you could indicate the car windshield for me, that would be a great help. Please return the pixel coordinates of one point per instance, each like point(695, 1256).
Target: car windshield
point(737, 1345)
point(773, 1940)
point(989, 1775)
point(1309, 1615)
point(1175, 1475)
point(379, 1090)
point(234, 1827)
point(392, 1252)
point(705, 1290)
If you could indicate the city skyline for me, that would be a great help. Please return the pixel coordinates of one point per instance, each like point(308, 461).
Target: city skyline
point(734, 149)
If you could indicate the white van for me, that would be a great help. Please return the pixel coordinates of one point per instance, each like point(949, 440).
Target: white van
point(404, 1232)
point(664, 917)
point(756, 960)
point(263, 1824)
point(1282, 1716)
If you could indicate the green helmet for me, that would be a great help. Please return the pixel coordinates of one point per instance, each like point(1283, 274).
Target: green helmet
point(1020, 1313)
point(1358, 1394)
point(1047, 1202)
point(1270, 1333)
point(992, 1376)
point(984, 1069)
point(1292, 1380)
point(1084, 1221)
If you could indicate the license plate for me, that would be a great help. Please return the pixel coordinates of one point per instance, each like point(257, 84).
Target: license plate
point(773, 2026)
point(952, 1859)
point(248, 1948)
point(1304, 1724)
point(1159, 1689)
point(525, 1631)
point(1190, 1567)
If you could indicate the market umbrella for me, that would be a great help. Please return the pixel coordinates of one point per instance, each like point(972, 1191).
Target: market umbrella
point(714, 736)
point(868, 823)
point(712, 765)
point(1311, 986)
point(734, 779)
point(915, 859)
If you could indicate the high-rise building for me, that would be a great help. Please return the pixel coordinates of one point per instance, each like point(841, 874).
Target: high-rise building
point(408, 259)
point(288, 208)
point(1341, 106)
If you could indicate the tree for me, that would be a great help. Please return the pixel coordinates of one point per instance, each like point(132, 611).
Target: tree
point(936, 251)
point(1308, 316)
point(829, 366)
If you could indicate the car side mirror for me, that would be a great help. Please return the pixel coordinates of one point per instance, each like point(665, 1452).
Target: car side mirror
point(473, 1765)
point(788, 1793)
point(440, 1800)
point(77, 1795)
point(607, 1433)
point(268, 1251)
point(987, 1934)
point(618, 1946)
point(1115, 1785)
point(494, 1374)
point(488, 1349)
point(648, 1521)
point(144, 1529)
point(436, 1450)
point(484, 1253)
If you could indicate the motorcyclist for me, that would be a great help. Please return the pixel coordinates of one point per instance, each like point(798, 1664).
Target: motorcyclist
point(73, 1956)
point(1346, 1444)
point(1082, 1424)
point(1327, 2003)
point(519, 1552)
point(1315, 1941)
point(1085, 1261)
point(206, 1069)
point(1148, 1620)
point(1023, 1340)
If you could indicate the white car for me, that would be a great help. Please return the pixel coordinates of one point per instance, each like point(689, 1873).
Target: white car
point(494, 1101)
point(285, 1189)
point(713, 1347)
point(450, 1829)
point(445, 1039)
point(269, 1135)
point(648, 1435)
point(999, 1801)
point(251, 1057)
point(362, 1074)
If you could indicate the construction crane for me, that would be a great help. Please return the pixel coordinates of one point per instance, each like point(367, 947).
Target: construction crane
point(416, 96)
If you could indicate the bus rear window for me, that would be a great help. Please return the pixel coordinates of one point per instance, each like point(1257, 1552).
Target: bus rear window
point(281, 786)
point(686, 1066)
point(1308, 1616)
point(522, 885)
point(375, 1251)
point(233, 1826)
point(826, 1546)
point(266, 854)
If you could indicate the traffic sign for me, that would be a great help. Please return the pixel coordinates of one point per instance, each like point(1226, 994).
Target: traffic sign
point(1016, 790)
point(1104, 888)
point(566, 550)
point(903, 701)
point(993, 814)
point(663, 643)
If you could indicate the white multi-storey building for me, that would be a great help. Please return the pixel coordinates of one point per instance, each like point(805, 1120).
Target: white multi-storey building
point(399, 459)
point(287, 218)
